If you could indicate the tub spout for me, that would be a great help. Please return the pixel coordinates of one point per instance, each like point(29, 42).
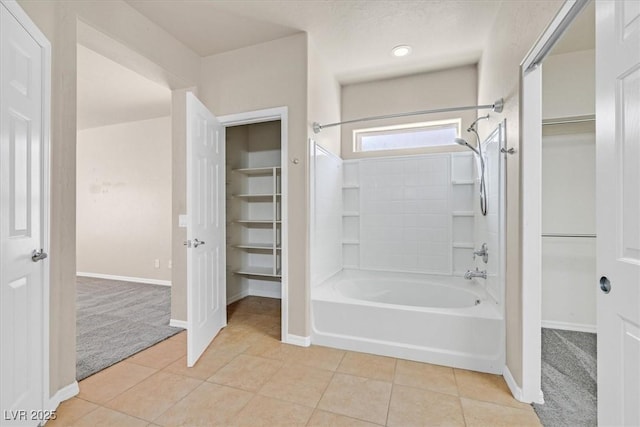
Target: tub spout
point(470, 274)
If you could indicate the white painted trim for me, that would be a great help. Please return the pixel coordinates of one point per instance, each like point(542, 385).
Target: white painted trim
point(237, 297)
point(259, 116)
point(178, 323)
point(267, 293)
point(21, 16)
point(297, 340)
point(125, 278)
point(567, 326)
point(530, 193)
point(65, 393)
point(515, 389)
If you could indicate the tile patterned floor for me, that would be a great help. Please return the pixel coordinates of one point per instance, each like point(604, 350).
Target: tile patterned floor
point(248, 378)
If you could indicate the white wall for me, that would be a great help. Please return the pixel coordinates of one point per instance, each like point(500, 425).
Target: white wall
point(568, 85)
point(124, 200)
point(326, 214)
point(516, 28)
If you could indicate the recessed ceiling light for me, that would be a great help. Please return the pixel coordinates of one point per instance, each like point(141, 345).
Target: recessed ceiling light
point(402, 50)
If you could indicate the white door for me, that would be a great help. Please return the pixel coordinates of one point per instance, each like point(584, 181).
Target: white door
point(206, 275)
point(23, 274)
point(618, 210)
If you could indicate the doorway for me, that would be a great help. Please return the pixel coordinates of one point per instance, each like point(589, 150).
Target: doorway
point(123, 212)
point(568, 238)
point(256, 207)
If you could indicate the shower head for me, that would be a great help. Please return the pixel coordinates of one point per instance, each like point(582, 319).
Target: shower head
point(461, 141)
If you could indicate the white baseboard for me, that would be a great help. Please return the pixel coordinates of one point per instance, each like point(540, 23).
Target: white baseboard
point(566, 326)
point(65, 393)
point(297, 340)
point(265, 291)
point(178, 323)
point(126, 278)
point(516, 390)
point(237, 297)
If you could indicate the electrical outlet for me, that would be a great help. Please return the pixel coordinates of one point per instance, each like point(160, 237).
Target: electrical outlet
point(156, 263)
point(169, 265)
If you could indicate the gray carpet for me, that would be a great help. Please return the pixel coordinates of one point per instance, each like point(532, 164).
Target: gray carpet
point(568, 379)
point(118, 319)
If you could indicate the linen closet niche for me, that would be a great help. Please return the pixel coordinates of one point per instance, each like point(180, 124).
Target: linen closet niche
point(253, 196)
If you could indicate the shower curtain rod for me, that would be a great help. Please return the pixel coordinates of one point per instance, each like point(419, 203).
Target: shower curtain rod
point(496, 107)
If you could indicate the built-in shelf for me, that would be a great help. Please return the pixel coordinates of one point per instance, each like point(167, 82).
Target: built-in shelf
point(351, 213)
point(350, 242)
point(350, 186)
point(462, 213)
point(257, 171)
point(463, 182)
point(257, 196)
point(257, 246)
point(258, 271)
point(463, 245)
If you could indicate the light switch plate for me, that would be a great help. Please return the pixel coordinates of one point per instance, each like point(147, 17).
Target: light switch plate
point(182, 220)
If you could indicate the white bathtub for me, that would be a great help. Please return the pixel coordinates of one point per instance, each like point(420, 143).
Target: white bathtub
point(436, 319)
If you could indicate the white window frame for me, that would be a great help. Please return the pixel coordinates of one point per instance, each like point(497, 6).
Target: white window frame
point(395, 129)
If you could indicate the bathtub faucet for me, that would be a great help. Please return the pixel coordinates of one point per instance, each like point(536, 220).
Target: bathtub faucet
point(470, 274)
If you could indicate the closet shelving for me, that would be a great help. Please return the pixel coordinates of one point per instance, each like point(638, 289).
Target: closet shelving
point(256, 192)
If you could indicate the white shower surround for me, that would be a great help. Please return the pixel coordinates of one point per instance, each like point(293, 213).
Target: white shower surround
point(413, 315)
point(468, 335)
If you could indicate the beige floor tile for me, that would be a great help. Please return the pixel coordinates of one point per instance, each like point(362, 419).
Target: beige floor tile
point(490, 414)
point(107, 384)
point(415, 407)
point(328, 419)
point(298, 384)
point(105, 417)
point(71, 411)
point(357, 397)
point(160, 355)
point(208, 364)
point(264, 411)
point(313, 356)
point(368, 365)
point(426, 376)
point(207, 405)
point(247, 372)
point(258, 305)
point(154, 395)
point(486, 387)
point(180, 337)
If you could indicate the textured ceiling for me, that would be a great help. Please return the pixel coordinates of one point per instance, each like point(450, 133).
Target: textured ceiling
point(109, 93)
point(355, 37)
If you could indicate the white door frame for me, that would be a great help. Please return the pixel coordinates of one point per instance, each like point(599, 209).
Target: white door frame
point(260, 116)
point(531, 198)
point(12, 6)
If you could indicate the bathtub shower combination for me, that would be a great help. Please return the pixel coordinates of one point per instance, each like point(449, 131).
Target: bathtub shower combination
point(398, 263)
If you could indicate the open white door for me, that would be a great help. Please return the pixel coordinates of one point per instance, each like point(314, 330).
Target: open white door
point(618, 210)
point(24, 56)
point(206, 275)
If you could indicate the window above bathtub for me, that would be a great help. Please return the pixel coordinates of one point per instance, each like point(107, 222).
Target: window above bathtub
point(410, 136)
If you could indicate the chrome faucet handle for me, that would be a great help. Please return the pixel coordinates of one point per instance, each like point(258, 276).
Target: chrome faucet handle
point(483, 252)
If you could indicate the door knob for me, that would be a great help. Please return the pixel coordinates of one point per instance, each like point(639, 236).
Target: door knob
point(38, 255)
point(605, 284)
point(197, 243)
